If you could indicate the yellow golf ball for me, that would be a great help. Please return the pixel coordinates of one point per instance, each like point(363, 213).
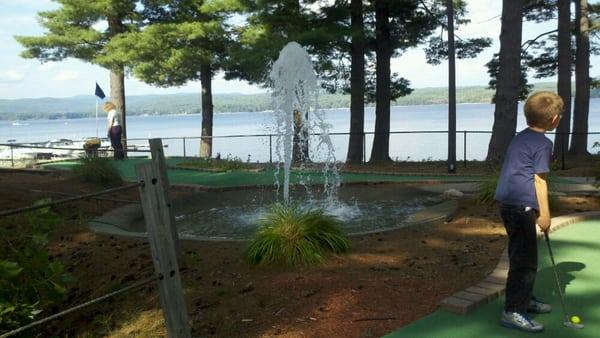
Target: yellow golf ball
point(575, 320)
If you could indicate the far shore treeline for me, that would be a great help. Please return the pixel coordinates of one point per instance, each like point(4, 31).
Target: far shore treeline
point(188, 103)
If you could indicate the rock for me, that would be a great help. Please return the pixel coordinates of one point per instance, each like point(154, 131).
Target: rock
point(249, 287)
point(453, 193)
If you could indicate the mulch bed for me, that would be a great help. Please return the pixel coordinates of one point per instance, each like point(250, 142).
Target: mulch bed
point(387, 281)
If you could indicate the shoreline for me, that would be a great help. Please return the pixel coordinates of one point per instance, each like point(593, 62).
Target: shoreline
point(132, 115)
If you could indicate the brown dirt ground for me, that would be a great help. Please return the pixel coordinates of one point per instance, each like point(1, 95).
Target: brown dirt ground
point(387, 281)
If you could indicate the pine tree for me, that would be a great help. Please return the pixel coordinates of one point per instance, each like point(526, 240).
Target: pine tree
point(71, 32)
point(357, 83)
point(551, 54)
point(564, 62)
point(509, 74)
point(185, 40)
point(335, 35)
point(270, 26)
point(400, 25)
point(581, 107)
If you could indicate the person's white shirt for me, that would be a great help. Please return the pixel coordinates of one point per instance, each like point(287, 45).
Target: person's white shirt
point(113, 117)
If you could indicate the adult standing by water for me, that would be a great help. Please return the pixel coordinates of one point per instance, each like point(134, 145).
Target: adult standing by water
point(115, 131)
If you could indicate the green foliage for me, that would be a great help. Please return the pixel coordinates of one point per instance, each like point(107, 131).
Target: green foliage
point(98, 170)
point(29, 280)
point(487, 189)
point(437, 49)
point(291, 236)
point(493, 67)
point(71, 31)
point(180, 38)
point(219, 165)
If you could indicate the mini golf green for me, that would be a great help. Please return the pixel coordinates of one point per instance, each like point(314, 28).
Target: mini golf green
point(242, 178)
point(577, 253)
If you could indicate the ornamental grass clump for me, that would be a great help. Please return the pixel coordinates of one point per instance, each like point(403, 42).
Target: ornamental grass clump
point(98, 170)
point(487, 190)
point(291, 236)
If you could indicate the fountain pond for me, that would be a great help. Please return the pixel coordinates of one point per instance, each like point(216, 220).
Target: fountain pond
point(362, 208)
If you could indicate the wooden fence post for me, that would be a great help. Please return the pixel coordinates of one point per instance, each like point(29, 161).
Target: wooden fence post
point(159, 164)
point(164, 257)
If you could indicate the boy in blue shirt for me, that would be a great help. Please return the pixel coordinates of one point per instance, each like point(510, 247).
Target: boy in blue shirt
point(523, 195)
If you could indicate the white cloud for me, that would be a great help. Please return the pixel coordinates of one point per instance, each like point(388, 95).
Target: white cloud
point(11, 76)
point(66, 75)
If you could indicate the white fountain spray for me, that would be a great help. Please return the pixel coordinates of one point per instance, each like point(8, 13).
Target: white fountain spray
point(295, 87)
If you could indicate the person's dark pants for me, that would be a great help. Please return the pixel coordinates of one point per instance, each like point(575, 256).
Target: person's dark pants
point(522, 252)
point(115, 142)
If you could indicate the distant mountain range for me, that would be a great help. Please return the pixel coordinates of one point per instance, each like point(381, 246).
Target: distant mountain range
point(189, 103)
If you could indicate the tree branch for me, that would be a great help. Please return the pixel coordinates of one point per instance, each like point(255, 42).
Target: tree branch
point(444, 26)
point(530, 42)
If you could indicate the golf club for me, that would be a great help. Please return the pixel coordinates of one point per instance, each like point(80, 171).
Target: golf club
point(567, 321)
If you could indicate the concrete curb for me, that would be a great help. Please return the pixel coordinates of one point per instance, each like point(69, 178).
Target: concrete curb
point(493, 285)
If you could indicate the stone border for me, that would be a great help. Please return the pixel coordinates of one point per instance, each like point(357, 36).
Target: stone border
point(203, 188)
point(113, 221)
point(493, 285)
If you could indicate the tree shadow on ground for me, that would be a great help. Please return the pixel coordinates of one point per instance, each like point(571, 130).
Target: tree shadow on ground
point(546, 286)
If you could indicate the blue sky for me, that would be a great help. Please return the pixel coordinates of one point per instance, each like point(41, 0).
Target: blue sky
point(22, 78)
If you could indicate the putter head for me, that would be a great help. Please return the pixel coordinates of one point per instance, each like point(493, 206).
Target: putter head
point(567, 322)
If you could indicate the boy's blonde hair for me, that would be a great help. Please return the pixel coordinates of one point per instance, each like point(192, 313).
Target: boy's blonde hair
point(108, 106)
point(541, 107)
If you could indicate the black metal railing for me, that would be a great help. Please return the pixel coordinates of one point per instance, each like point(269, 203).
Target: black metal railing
point(180, 145)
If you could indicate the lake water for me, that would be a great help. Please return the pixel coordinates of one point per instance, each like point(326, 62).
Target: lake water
point(470, 117)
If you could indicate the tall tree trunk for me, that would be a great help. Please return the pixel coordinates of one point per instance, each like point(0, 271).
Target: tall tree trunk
point(300, 139)
point(561, 142)
point(357, 85)
point(582, 82)
point(381, 140)
point(117, 81)
point(207, 111)
point(117, 95)
point(451, 90)
point(507, 88)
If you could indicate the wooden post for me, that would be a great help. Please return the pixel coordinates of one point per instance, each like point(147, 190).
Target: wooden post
point(160, 165)
point(164, 257)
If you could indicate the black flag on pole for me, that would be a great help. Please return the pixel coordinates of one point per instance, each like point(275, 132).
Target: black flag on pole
point(99, 92)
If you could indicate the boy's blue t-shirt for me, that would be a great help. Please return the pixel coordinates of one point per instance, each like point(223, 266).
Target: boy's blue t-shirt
point(529, 153)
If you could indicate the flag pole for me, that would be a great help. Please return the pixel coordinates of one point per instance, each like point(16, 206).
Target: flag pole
point(96, 117)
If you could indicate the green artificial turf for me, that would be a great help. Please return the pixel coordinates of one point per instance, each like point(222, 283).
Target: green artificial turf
point(267, 177)
point(577, 253)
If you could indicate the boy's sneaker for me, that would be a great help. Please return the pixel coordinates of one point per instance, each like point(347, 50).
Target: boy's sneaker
point(536, 306)
point(521, 322)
